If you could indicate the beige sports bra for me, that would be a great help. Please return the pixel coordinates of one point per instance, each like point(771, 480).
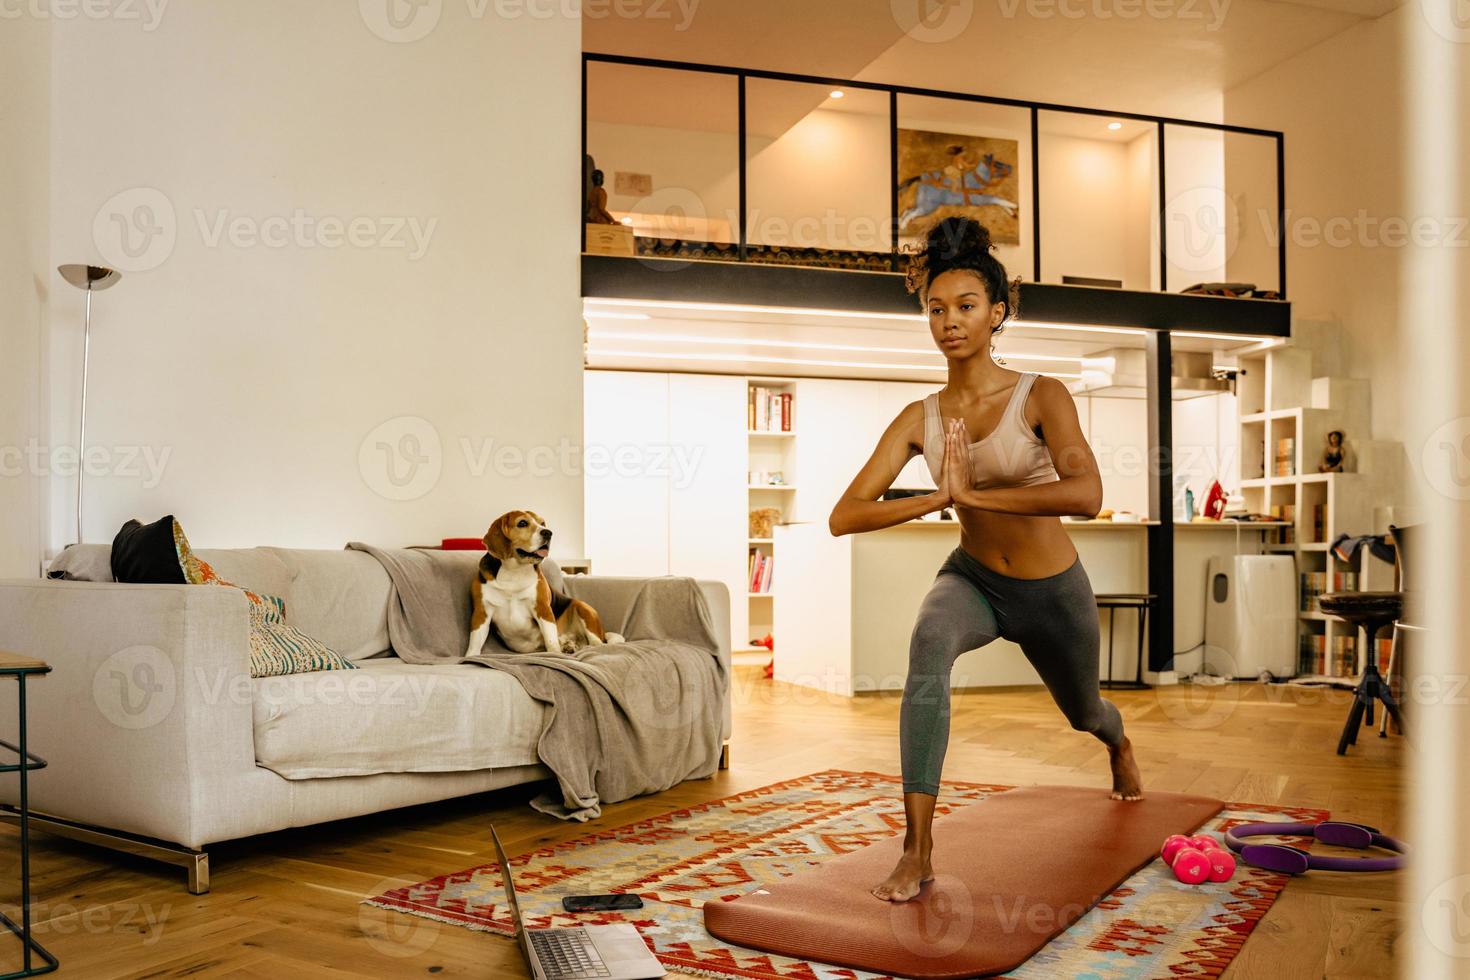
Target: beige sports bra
point(1011, 456)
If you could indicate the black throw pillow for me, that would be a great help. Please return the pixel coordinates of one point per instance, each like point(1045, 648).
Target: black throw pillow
point(145, 553)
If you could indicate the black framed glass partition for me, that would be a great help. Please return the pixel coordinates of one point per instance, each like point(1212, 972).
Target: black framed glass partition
point(666, 143)
point(718, 162)
point(1221, 209)
point(1256, 252)
point(816, 160)
point(1099, 201)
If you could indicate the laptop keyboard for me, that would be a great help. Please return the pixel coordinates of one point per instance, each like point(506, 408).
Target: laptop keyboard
point(567, 954)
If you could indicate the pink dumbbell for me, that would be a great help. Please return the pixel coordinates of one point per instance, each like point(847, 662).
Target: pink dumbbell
point(1202, 841)
point(1172, 845)
point(1222, 864)
point(1191, 866)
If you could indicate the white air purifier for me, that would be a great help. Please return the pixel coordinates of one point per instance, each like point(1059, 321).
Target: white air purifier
point(1250, 616)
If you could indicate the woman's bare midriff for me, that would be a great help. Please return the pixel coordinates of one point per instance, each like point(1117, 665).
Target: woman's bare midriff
point(1018, 545)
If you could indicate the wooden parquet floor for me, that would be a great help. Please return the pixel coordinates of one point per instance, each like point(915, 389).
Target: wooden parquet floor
point(286, 904)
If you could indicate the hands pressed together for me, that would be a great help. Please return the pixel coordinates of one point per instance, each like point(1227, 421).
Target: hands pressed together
point(955, 479)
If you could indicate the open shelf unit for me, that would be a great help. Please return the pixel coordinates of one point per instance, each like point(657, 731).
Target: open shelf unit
point(771, 450)
point(1286, 414)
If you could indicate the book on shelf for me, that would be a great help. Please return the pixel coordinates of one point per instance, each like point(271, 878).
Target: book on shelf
point(1285, 460)
point(1316, 583)
point(1343, 658)
point(1316, 658)
point(1287, 513)
point(760, 570)
point(767, 410)
point(1319, 522)
point(1312, 658)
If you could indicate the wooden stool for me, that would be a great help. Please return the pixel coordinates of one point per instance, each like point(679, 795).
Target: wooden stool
point(1113, 601)
point(1371, 611)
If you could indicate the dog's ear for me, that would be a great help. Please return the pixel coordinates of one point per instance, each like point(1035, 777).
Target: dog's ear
point(496, 540)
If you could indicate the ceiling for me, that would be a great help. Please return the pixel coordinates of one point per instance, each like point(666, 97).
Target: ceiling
point(631, 334)
point(1178, 65)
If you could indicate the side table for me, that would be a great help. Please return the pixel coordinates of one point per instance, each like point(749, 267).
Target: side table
point(1113, 601)
point(21, 668)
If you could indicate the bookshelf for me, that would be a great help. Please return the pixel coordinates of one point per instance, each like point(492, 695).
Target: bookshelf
point(1286, 411)
point(771, 458)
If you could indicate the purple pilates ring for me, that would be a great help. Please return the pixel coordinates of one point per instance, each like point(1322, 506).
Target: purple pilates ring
point(1294, 861)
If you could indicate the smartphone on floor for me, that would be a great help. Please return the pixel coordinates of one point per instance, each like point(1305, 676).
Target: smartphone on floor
point(600, 903)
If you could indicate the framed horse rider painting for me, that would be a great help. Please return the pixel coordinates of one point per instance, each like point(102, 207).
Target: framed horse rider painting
point(944, 175)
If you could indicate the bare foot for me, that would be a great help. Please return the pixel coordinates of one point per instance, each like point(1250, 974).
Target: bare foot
point(912, 871)
point(1127, 784)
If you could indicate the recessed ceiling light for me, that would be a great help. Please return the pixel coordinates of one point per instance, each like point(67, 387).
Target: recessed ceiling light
point(837, 93)
point(1115, 125)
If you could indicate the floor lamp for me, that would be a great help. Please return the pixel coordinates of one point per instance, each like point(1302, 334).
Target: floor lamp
point(92, 278)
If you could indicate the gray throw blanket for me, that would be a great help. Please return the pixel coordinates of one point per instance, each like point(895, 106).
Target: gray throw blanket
point(624, 719)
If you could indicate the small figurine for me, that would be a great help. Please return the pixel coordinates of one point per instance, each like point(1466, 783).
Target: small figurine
point(597, 212)
point(1332, 455)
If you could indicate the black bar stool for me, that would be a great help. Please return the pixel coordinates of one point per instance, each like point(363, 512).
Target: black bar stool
point(1371, 611)
point(1113, 601)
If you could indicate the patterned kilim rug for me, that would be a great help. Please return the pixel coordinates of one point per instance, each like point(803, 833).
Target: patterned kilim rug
point(1150, 926)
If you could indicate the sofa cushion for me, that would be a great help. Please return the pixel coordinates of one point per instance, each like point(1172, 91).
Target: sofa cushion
point(256, 569)
point(276, 646)
point(340, 596)
point(144, 553)
point(83, 563)
point(394, 717)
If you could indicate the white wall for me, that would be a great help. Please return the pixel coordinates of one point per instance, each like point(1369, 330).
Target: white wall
point(260, 374)
point(25, 281)
point(1207, 443)
point(1339, 105)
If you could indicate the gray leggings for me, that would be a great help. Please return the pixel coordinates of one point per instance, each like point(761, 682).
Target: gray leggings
point(1053, 619)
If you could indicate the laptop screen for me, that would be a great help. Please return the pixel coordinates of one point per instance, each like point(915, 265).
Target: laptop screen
point(510, 889)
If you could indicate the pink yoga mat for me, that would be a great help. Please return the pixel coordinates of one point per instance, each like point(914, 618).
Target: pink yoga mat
point(1011, 872)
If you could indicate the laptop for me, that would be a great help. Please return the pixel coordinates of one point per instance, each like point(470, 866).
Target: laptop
point(614, 952)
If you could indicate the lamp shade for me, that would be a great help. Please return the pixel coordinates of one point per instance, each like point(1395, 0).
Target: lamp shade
point(90, 277)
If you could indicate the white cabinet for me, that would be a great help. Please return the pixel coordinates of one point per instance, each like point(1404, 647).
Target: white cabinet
point(707, 512)
point(626, 421)
point(664, 470)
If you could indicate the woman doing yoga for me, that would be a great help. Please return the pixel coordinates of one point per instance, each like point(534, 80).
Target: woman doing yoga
point(1015, 573)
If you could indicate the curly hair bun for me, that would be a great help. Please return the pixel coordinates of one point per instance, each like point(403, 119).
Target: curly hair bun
point(956, 242)
point(962, 243)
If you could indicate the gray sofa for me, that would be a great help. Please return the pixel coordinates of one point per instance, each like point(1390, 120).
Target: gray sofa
point(159, 742)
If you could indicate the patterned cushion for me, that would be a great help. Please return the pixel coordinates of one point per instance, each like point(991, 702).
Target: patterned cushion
point(276, 647)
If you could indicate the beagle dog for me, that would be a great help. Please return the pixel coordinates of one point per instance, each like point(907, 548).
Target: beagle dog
point(512, 595)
